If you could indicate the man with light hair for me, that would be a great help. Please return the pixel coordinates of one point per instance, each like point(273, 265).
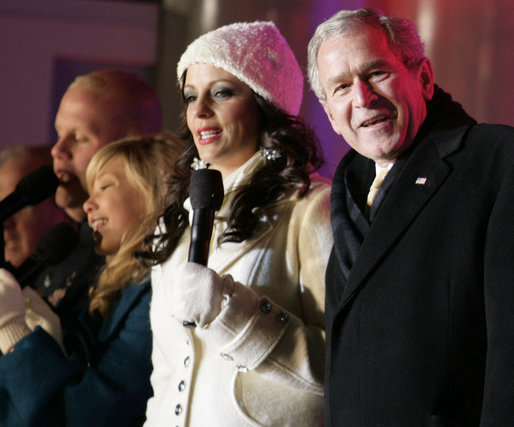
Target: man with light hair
point(96, 109)
point(419, 285)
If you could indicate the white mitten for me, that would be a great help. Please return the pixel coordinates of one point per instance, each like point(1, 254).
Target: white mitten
point(12, 312)
point(11, 298)
point(39, 313)
point(196, 293)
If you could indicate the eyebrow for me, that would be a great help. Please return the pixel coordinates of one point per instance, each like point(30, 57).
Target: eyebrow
point(223, 81)
point(378, 63)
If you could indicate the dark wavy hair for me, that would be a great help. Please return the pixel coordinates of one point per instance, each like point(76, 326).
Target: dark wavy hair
point(300, 156)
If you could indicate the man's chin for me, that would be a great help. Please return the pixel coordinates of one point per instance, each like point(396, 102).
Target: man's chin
point(69, 196)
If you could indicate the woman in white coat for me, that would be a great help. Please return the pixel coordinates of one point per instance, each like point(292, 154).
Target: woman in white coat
point(256, 355)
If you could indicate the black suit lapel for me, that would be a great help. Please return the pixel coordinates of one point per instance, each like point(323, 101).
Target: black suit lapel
point(418, 180)
point(348, 195)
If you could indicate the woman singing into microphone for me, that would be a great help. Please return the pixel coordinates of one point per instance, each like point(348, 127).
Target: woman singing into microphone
point(256, 354)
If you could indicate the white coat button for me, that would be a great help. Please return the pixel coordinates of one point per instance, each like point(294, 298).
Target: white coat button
point(282, 316)
point(265, 306)
point(242, 368)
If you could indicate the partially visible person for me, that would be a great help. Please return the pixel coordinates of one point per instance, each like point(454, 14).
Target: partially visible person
point(256, 355)
point(96, 109)
point(23, 230)
point(105, 379)
point(420, 282)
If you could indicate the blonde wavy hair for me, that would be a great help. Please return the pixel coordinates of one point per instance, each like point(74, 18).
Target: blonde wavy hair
point(149, 164)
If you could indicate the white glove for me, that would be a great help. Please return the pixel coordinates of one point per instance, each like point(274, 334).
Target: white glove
point(11, 298)
point(12, 312)
point(39, 313)
point(196, 293)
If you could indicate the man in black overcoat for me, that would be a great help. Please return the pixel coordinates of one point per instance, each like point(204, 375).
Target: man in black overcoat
point(420, 282)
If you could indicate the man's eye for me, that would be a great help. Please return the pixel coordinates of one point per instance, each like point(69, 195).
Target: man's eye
point(80, 138)
point(378, 75)
point(342, 88)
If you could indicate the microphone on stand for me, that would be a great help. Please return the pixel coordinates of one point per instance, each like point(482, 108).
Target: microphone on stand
point(206, 195)
point(31, 190)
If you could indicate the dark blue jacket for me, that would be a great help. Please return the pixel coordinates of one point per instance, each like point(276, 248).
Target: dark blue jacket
point(65, 285)
point(104, 381)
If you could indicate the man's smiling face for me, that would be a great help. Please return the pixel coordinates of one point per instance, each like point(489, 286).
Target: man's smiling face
point(372, 99)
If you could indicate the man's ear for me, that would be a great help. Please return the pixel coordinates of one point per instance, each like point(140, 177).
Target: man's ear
point(426, 78)
point(326, 107)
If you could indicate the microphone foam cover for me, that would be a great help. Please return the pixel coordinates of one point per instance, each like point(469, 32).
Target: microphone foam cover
point(38, 185)
point(206, 189)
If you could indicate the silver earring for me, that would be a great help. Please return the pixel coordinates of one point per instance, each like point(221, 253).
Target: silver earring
point(199, 164)
point(270, 154)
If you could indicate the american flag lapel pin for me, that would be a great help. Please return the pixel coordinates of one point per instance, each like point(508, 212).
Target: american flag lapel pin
point(421, 180)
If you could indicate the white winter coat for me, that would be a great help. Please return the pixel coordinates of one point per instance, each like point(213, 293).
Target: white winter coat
point(253, 365)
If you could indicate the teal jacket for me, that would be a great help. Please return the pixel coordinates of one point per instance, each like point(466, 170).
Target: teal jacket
point(104, 381)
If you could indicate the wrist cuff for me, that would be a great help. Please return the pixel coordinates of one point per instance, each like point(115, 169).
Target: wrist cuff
point(12, 332)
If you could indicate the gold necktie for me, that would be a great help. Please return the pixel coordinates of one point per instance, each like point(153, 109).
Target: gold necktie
point(375, 186)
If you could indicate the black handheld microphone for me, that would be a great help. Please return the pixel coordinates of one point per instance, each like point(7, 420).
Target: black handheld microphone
point(31, 190)
point(206, 195)
point(51, 249)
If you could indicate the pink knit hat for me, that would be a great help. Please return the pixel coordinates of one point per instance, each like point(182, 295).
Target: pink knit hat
point(257, 54)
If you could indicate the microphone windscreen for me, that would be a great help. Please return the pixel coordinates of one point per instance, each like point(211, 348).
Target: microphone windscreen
point(56, 244)
point(38, 185)
point(206, 189)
